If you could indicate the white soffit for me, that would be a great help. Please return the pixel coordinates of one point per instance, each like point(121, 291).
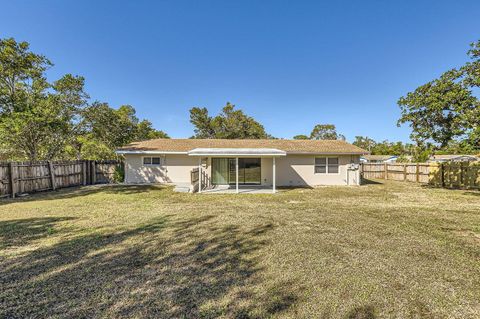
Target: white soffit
point(147, 152)
point(236, 152)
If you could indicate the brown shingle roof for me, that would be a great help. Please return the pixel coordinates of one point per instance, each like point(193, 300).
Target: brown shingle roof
point(290, 146)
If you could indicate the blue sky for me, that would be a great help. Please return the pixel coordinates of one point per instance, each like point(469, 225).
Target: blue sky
point(290, 64)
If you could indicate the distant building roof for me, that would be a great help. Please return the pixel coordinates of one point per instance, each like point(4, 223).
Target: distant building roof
point(453, 157)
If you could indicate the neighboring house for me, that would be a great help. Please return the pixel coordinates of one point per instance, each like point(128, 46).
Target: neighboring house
point(258, 162)
point(453, 158)
point(378, 158)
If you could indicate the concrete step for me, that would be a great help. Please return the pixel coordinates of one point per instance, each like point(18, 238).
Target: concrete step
point(182, 188)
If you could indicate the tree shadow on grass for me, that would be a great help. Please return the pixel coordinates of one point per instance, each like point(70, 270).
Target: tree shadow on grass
point(20, 232)
point(370, 182)
point(80, 191)
point(362, 312)
point(472, 193)
point(164, 269)
point(469, 192)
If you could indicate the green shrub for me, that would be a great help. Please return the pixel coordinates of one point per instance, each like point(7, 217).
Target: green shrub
point(119, 174)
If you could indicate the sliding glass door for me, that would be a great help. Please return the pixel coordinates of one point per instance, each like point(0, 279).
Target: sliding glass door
point(251, 169)
point(224, 172)
point(220, 173)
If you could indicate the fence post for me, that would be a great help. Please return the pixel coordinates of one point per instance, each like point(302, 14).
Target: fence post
point(442, 176)
point(12, 178)
point(84, 173)
point(93, 172)
point(404, 172)
point(89, 174)
point(52, 174)
point(417, 172)
point(461, 175)
point(385, 171)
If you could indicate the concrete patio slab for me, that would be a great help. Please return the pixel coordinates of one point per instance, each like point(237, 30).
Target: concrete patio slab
point(244, 189)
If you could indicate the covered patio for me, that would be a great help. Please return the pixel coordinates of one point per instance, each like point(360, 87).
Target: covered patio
point(242, 189)
point(226, 166)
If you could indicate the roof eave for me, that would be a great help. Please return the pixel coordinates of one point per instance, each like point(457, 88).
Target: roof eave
point(236, 155)
point(127, 152)
point(326, 153)
point(124, 152)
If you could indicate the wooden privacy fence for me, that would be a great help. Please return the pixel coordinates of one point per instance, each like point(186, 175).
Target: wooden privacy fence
point(449, 174)
point(455, 175)
point(413, 172)
point(26, 177)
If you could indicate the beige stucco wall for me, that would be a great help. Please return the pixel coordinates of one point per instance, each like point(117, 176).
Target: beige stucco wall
point(291, 170)
point(299, 170)
point(173, 169)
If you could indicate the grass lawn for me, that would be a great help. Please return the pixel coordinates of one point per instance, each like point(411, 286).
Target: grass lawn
point(381, 250)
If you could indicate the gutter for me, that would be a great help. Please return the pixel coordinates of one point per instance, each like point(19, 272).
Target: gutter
point(325, 153)
point(120, 152)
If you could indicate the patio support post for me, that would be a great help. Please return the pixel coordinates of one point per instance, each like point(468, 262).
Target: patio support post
point(199, 174)
point(274, 177)
point(236, 174)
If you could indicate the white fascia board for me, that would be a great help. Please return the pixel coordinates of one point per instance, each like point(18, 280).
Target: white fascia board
point(236, 155)
point(237, 152)
point(324, 153)
point(148, 152)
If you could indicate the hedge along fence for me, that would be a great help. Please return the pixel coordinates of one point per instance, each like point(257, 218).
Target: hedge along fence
point(450, 174)
point(27, 177)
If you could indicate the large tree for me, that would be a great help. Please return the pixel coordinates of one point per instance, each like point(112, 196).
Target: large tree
point(446, 110)
point(364, 142)
point(45, 118)
point(21, 76)
point(301, 137)
point(52, 120)
point(229, 124)
point(325, 132)
point(37, 118)
point(392, 148)
point(145, 131)
point(107, 128)
point(202, 123)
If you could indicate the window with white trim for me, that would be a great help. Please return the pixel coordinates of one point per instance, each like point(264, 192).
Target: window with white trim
point(320, 165)
point(326, 165)
point(332, 165)
point(148, 160)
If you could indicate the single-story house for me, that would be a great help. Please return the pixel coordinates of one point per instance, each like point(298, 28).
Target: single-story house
point(378, 158)
point(243, 162)
point(453, 158)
